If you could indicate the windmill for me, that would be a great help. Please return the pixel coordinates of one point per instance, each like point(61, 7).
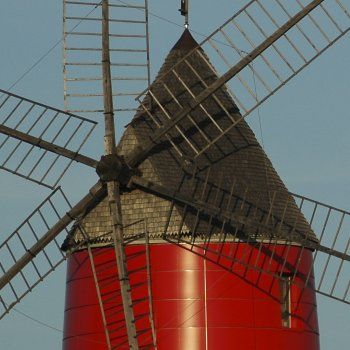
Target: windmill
point(234, 209)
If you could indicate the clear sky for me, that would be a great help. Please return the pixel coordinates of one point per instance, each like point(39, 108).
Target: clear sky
point(305, 131)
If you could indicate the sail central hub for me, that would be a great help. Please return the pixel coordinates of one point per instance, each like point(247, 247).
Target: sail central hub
point(114, 168)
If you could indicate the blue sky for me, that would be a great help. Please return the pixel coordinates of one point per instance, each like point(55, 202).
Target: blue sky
point(305, 131)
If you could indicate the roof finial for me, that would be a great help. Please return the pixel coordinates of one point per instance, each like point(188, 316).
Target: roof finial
point(184, 11)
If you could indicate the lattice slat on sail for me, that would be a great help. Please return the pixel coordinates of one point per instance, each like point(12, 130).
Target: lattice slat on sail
point(21, 240)
point(256, 52)
point(129, 52)
point(240, 225)
point(24, 118)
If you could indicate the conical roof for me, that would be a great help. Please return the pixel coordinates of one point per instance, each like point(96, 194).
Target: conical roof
point(235, 176)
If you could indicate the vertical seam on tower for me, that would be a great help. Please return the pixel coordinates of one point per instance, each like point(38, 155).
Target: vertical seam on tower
point(205, 303)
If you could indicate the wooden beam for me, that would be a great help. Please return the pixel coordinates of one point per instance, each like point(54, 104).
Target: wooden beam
point(113, 187)
point(51, 147)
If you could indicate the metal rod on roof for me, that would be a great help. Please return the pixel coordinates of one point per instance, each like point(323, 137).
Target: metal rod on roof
point(184, 11)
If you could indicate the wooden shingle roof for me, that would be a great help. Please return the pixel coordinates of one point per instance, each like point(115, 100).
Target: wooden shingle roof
point(234, 176)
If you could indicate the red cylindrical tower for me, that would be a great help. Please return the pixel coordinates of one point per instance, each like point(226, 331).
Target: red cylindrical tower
point(199, 304)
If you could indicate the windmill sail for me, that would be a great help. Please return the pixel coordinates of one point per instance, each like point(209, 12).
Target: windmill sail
point(129, 51)
point(258, 50)
point(239, 196)
point(332, 265)
point(33, 250)
point(19, 243)
point(38, 142)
